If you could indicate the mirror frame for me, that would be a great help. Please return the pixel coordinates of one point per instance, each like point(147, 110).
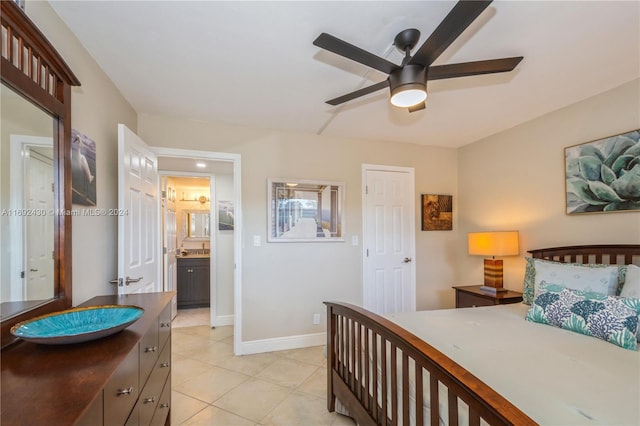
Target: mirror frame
point(32, 67)
point(335, 210)
point(187, 221)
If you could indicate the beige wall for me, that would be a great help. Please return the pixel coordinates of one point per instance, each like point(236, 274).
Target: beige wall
point(515, 181)
point(97, 107)
point(284, 284)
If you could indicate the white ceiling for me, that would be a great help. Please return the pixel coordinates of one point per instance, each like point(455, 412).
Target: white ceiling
point(254, 64)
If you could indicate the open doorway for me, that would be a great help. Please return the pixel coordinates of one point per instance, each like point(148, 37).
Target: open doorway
point(201, 230)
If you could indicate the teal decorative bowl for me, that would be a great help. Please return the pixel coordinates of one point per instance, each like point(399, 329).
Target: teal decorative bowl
point(77, 325)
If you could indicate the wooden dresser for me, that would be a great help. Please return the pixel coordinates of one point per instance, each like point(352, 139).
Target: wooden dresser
point(121, 379)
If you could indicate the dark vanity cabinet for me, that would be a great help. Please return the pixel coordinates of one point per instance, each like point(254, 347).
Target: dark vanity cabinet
point(193, 282)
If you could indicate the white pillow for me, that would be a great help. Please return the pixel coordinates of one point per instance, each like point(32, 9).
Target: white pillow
point(631, 287)
point(576, 277)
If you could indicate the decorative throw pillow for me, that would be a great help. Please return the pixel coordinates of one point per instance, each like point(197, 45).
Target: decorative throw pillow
point(610, 318)
point(631, 287)
point(602, 279)
point(529, 281)
point(530, 276)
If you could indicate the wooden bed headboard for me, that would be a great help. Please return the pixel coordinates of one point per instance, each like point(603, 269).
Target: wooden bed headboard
point(612, 254)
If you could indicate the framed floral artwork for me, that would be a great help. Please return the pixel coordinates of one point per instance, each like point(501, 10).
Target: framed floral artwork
point(603, 175)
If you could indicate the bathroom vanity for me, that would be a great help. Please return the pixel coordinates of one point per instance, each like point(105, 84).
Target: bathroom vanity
point(193, 281)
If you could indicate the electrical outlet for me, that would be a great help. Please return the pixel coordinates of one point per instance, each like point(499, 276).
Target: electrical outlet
point(316, 319)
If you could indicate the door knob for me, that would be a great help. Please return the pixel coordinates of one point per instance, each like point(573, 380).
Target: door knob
point(407, 260)
point(117, 281)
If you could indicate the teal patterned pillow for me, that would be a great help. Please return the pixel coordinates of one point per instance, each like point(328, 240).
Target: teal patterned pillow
point(530, 277)
point(529, 281)
point(610, 318)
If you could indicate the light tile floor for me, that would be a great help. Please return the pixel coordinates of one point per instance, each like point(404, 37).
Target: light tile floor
point(212, 387)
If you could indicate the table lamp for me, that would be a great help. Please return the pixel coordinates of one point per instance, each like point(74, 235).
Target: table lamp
point(499, 243)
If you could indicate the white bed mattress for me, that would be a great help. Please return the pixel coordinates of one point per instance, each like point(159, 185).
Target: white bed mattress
point(555, 376)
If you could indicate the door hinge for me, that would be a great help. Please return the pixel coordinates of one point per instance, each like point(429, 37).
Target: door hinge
point(21, 274)
point(366, 190)
point(53, 188)
point(367, 252)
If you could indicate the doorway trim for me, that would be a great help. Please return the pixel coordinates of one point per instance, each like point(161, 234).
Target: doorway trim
point(237, 233)
point(412, 220)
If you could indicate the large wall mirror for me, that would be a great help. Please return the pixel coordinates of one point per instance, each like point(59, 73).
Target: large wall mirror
point(35, 187)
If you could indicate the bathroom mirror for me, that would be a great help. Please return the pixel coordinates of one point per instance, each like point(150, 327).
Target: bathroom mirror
point(197, 225)
point(35, 185)
point(302, 210)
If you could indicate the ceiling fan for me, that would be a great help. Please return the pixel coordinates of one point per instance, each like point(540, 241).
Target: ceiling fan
point(408, 81)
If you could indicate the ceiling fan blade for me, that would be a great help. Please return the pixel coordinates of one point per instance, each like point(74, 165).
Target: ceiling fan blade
point(464, 69)
point(460, 17)
point(418, 107)
point(360, 92)
point(342, 48)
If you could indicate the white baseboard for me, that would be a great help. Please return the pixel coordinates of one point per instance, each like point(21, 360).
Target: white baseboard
point(283, 343)
point(222, 320)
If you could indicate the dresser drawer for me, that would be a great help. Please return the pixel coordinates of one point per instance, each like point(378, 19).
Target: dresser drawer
point(466, 300)
point(149, 351)
point(164, 405)
point(150, 394)
point(164, 325)
point(121, 392)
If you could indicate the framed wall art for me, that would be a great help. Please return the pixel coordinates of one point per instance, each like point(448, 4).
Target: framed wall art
point(603, 175)
point(305, 210)
point(437, 212)
point(225, 215)
point(83, 169)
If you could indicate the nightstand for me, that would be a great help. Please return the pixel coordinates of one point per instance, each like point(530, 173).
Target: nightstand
point(472, 296)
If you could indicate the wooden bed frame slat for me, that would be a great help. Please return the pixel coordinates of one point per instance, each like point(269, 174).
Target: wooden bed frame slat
point(355, 334)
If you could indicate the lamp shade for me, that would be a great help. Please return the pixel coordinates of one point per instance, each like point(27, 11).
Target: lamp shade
point(500, 243)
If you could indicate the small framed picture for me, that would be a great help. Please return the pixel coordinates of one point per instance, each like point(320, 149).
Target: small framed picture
point(437, 212)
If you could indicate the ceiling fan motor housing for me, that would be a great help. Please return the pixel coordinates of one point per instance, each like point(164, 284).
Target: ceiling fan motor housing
point(407, 78)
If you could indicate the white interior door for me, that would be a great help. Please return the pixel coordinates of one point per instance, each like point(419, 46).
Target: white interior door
point(170, 261)
point(39, 227)
point(388, 239)
point(138, 205)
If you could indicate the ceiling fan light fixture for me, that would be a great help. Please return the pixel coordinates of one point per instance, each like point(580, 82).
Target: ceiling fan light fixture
point(408, 86)
point(408, 95)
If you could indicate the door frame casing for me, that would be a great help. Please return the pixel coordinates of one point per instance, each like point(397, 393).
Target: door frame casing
point(237, 232)
point(412, 220)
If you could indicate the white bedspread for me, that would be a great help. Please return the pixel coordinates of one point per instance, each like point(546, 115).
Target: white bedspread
point(555, 376)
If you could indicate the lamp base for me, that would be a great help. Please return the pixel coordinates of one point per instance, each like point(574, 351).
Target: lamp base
point(493, 290)
point(493, 273)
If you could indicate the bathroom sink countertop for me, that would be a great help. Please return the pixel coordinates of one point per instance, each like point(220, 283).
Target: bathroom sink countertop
point(192, 256)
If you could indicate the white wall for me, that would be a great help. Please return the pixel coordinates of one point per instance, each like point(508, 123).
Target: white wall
point(515, 181)
point(284, 284)
point(96, 109)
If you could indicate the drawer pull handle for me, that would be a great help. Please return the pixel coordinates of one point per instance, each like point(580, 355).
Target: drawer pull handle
point(151, 349)
point(150, 400)
point(164, 405)
point(164, 365)
point(125, 391)
point(165, 324)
